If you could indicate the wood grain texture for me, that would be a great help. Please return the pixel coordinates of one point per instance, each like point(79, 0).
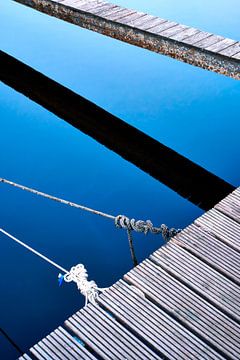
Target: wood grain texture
point(160, 330)
point(185, 305)
point(221, 226)
point(214, 53)
point(181, 304)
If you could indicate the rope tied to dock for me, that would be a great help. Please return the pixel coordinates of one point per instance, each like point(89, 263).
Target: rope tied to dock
point(120, 221)
point(89, 289)
point(77, 274)
point(123, 222)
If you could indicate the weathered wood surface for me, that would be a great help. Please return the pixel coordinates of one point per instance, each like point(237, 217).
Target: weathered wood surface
point(190, 45)
point(181, 303)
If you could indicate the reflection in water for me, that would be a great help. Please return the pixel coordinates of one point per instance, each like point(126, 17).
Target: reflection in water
point(172, 169)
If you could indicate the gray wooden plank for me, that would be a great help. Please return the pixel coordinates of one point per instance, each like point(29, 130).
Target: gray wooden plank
point(39, 353)
point(201, 35)
point(203, 318)
point(115, 21)
point(85, 333)
point(89, 6)
point(115, 329)
point(212, 251)
point(119, 14)
point(213, 39)
point(236, 56)
point(143, 20)
point(232, 50)
point(119, 348)
point(220, 45)
point(110, 11)
point(65, 347)
point(207, 282)
point(59, 348)
point(50, 350)
point(154, 324)
point(163, 26)
point(72, 3)
point(222, 227)
point(62, 346)
point(173, 30)
point(78, 348)
point(107, 11)
point(230, 206)
point(128, 20)
point(151, 23)
point(189, 31)
point(100, 9)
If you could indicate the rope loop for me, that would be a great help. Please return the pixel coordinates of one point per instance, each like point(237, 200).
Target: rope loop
point(89, 289)
point(123, 222)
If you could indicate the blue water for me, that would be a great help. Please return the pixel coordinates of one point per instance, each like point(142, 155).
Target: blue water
point(193, 111)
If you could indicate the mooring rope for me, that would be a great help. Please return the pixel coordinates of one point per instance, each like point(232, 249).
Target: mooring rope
point(77, 274)
point(121, 221)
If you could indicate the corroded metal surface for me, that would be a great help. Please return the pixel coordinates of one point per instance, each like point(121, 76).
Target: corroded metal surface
point(190, 53)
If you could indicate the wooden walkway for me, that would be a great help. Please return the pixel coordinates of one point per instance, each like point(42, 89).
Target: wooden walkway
point(200, 48)
point(181, 303)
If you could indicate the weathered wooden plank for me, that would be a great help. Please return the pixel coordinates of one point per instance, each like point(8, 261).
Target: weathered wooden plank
point(236, 56)
point(60, 345)
point(79, 349)
point(127, 20)
point(201, 317)
point(90, 5)
point(230, 206)
point(113, 10)
point(58, 348)
point(151, 23)
point(157, 327)
point(120, 14)
point(85, 332)
point(213, 39)
point(65, 347)
point(212, 251)
point(143, 20)
point(221, 226)
point(38, 353)
point(99, 10)
point(189, 31)
point(115, 329)
point(161, 27)
point(221, 45)
point(173, 30)
point(120, 24)
point(232, 50)
point(200, 277)
point(195, 38)
point(111, 336)
point(50, 351)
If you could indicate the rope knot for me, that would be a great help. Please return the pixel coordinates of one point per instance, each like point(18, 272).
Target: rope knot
point(123, 222)
point(89, 289)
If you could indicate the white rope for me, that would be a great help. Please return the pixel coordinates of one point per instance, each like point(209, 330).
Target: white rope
point(121, 221)
point(62, 201)
point(77, 274)
point(89, 289)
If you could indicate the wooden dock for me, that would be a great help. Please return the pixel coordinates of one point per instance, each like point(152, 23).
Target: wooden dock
point(200, 48)
point(181, 303)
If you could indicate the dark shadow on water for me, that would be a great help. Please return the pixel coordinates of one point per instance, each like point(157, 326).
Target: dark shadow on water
point(164, 164)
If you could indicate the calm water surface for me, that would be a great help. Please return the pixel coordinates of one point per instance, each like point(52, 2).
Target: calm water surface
point(190, 110)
